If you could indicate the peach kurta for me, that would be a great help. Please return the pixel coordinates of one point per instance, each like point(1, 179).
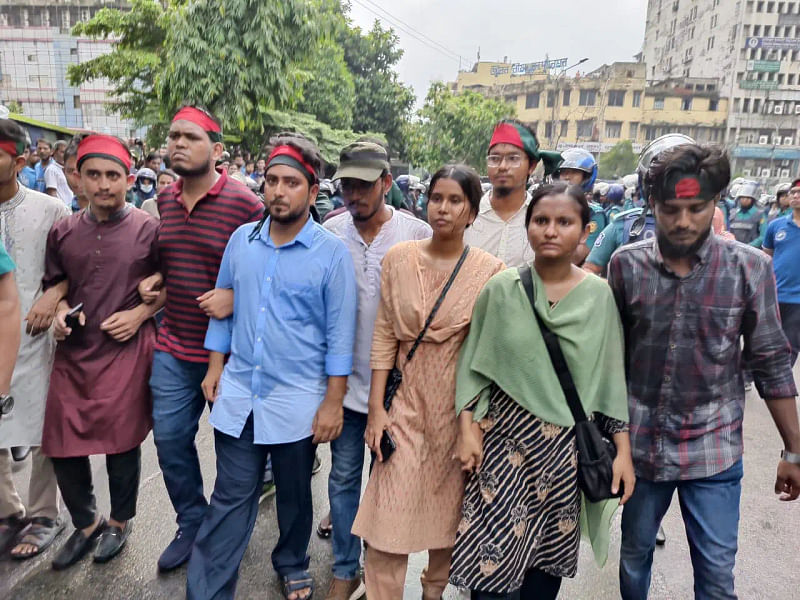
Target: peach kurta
point(413, 500)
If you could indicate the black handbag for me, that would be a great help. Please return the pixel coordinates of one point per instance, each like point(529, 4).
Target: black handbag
point(395, 375)
point(596, 451)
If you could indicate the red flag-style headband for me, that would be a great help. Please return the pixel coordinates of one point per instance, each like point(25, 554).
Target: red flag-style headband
point(11, 147)
point(286, 155)
point(505, 133)
point(198, 117)
point(104, 146)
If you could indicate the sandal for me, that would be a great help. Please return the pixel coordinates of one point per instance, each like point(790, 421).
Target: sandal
point(324, 532)
point(296, 582)
point(40, 534)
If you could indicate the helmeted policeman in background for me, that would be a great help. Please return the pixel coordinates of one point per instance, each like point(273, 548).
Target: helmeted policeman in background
point(748, 222)
point(615, 196)
point(781, 207)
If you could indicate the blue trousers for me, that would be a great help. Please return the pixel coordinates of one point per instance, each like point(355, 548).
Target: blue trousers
point(710, 510)
point(178, 403)
point(225, 532)
point(344, 492)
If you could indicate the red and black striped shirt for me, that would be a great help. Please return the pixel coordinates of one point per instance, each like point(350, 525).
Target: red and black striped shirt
point(190, 249)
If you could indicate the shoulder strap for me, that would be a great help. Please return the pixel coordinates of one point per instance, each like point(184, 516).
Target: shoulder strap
point(554, 350)
point(436, 306)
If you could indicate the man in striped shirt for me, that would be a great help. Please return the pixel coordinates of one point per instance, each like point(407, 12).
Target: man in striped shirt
point(198, 214)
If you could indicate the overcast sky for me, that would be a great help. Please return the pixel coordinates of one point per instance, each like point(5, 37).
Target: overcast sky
point(523, 30)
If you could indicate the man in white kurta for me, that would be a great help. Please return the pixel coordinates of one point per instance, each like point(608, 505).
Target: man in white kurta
point(26, 217)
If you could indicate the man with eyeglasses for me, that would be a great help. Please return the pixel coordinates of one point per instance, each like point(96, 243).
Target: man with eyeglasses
point(500, 226)
point(782, 243)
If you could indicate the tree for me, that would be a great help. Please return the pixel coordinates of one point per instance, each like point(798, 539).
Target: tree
point(618, 161)
point(329, 94)
point(454, 127)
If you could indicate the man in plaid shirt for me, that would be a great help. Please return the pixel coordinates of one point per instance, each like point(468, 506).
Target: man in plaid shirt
point(685, 298)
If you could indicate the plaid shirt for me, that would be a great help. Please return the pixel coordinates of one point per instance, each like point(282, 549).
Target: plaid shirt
point(684, 361)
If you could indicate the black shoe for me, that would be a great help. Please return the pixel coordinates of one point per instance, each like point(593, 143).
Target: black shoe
point(178, 551)
point(10, 528)
point(20, 453)
point(76, 547)
point(111, 542)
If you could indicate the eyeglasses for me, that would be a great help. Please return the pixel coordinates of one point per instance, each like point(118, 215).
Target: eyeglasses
point(512, 160)
point(795, 191)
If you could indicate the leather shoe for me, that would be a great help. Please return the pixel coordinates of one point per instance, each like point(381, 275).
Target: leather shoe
point(76, 547)
point(112, 541)
point(20, 453)
point(178, 551)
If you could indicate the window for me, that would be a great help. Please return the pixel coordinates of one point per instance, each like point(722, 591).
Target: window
point(745, 105)
point(565, 98)
point(616, 97)
point(76, 102)
point(649, 133)
point(73, 52)
point(658, 103)
point(714, 19)
point(532, 100)
point(791, 79)
point(564, 127)
point(588, 98)
point(31, 58)
point(586, 128)
point(548, 130)
point(710, 43)
point(511, 99)
point(551, 98)
point(713, 104)
point(613, 129)
point(686, 104)
point(637, 99)
point(633, 131)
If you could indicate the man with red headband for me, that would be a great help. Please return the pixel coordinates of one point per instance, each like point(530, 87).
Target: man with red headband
point(26, 217)
point(290, 342)
point(99, 400)
point(198, 214)
point(499, 228)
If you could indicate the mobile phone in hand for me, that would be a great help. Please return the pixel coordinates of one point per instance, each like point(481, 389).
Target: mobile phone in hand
point(388, 445)
point(71, 319)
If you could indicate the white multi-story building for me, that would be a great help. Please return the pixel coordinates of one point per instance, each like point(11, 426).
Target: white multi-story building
point(753, 47)
point(36, 48)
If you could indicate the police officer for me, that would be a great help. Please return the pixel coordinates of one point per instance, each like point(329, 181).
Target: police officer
point(636, 223)
point(578, 167)
point(748, 222)
point(781, 207)
point(615, 196)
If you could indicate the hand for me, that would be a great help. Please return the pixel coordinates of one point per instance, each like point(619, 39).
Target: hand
point(623, 470)
point(328, 421)
point(123, 325)
point(377, 422)
point(787, 483)
point(217, 303)
point(41, 315)
point(61, 330)
point(469, 447)
point(210, 384)
point(150, 288)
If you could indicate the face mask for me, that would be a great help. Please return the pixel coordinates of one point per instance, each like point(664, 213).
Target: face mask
point(146, 188)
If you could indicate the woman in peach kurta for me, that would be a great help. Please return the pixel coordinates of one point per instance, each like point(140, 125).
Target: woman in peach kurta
point(412, 501)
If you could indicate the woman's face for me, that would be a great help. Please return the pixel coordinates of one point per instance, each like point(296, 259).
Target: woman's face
point(449, 210)
point(555, 229)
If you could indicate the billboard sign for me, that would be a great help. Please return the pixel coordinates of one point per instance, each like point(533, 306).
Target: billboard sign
point(747, 84)
point(773, 43)
point(764, 66)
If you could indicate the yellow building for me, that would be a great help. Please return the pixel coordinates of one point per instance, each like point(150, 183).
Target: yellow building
point(597, 110)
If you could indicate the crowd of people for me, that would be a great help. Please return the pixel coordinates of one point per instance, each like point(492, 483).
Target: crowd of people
point(152, 293)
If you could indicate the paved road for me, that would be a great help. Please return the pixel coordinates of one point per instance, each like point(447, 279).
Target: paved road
point(768, 564)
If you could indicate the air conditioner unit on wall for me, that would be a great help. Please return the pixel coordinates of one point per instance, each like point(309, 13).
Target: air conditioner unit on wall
point(763, 140)
point(764, 173)
point(778, 110)
point(784, 163)
point(746, 173)
point(776, 140)
point(797, 108)
point(787, 141)
point(784, 173)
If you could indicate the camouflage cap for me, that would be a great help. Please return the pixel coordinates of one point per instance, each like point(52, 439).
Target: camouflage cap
point(362, 160)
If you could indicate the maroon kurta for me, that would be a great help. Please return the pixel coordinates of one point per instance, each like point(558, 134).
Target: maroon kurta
point(99, 397)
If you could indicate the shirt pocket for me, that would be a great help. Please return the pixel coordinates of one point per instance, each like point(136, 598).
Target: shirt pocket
point(719, 331)
point(298, 302)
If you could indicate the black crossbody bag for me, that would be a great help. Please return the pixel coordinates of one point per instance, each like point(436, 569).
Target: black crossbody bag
point(395, 375)
point(596, 451)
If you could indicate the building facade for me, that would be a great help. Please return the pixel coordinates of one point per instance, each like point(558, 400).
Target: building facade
point(36, 48)
point(753, 47)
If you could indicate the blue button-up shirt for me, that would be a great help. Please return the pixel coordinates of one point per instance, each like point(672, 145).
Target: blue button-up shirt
point(293, 326)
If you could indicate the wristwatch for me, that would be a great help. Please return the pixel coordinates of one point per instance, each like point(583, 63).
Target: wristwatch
point(6, 403)
point(791, 457)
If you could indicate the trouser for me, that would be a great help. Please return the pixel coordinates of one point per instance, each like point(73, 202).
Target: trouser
point(790, 321)
point(537, 584)
point(710, 510)
point(385, 574)
point(75, 482)
point(344, 492)
point(226, 529)
point(178, 403)
point(42, 488)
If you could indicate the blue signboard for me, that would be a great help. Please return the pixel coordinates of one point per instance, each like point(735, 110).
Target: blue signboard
point(768, 152)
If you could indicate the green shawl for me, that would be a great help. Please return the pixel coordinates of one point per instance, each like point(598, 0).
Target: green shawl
point(505, 347)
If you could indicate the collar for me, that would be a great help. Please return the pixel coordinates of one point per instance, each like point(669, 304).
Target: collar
point(305, 236)
point(703, 253)
point(15, 201)
point(213, 191)
point(486, 202)
point(353, 233)
point(115, 217)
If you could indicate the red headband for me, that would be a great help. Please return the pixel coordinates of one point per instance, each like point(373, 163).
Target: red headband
point(292, 153)
point(506, 133)
point(104, 146)
point(688, 187)
point(10, 147)
point(198, 117)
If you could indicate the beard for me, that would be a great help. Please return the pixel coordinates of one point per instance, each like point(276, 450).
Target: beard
point(364, 218)
point(672, 250)
point(290, 217)
point(502, 192)
point(193, 171)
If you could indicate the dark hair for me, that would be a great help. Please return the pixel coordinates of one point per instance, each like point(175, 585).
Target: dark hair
point(307, 149)
point(560, 187)
point(169, 172)
point(72, 146)
point(151, 155)
point(59, 143)
point(529, 129)
point(710, 161)
point(46, 141)
point(10, 130)
point(464, 176)
point(249, 161)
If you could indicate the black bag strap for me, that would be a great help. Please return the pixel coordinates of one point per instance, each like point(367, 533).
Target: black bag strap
point(436, 306)
point(554, 350)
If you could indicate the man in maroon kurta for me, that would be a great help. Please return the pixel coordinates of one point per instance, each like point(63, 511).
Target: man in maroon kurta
point(99, 400)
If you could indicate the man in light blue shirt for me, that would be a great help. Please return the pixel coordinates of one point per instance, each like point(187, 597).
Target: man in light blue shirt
point(290, 341)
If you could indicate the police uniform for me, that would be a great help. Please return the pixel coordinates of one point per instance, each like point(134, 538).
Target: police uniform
point(597, 223)
point(618, 233)
point(748, 225)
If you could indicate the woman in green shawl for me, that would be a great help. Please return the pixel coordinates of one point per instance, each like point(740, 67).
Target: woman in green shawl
point(519, 533)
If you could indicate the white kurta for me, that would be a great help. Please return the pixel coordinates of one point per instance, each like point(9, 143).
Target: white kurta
point(25, 221)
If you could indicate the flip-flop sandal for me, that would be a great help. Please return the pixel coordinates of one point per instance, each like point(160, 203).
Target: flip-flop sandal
point(41, 533)
point(296, 582)
point(324, 532)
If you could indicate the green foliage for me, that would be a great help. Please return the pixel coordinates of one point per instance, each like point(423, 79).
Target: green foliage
point(454, 127)
point(14, 107)
point(330, 93)
point(618, 161)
